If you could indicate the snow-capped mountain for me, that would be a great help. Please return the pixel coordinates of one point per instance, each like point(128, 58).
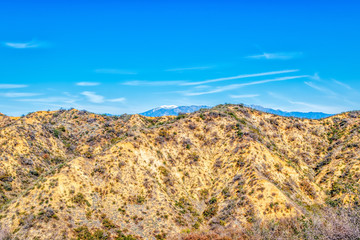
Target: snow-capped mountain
point(171, 110)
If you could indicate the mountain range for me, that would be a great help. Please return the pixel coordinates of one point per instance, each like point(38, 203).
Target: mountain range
point(173, 110)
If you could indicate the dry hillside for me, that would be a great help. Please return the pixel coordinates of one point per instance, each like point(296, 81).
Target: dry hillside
point(228, 172)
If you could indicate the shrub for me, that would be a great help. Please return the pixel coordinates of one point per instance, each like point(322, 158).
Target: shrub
point(210, 211)
point(107, 223)
point(140, 199)
point(80, 199)
point(121, 236)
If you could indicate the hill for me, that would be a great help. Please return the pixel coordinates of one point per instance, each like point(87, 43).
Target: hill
point(229, 172)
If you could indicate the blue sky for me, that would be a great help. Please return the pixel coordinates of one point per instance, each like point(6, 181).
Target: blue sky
point(130, 56)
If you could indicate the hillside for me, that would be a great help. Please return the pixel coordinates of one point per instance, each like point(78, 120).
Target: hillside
point(229, 172)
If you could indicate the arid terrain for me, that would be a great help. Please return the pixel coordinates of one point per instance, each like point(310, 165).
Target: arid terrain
point(229, 172)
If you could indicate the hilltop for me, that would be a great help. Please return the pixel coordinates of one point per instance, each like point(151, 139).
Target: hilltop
point(229, 172)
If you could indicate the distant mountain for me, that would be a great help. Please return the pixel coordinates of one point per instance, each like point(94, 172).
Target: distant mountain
point(310, 115)
point(171, 110)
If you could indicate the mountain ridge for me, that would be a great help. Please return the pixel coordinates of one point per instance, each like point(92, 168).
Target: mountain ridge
point(175, 110)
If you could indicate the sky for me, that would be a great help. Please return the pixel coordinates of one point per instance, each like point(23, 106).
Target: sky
point(131, 56)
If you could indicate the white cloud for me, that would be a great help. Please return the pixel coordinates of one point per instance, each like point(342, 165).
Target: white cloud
point(235, 86)
point(9, 86)
point(93, 97)
point(114, 71)
point(244, 96)
point(152, 83)
point(14, 95)
point(87, 84)
point(315, 77)
point(279, 56)
point(304, 106)
point(342, 84)
point(48, 100)
point(321, 89)
point(240, 76)
point(23, 45)
point(189, 68)
point(117, 100)
point(316, 107)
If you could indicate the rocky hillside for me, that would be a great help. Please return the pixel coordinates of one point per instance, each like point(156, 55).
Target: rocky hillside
point(228, 172)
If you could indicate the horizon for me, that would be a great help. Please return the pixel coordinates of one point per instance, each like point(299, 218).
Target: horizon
point(170, 107)
point(130, 57)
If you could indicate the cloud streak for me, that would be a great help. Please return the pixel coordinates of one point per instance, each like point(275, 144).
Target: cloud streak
point(304, 106)
point(96, 98)
point(15, 94)
point(342, 84)
point(87, 84)
point(10, 86)
point(114, 71)
point(235, 86)
point(187, 69)
point(316, 107)
point(23, 45)
point(240, 77)
point(93, 97)
point(277, 56)
point(244, 96)
point(320, 89)
point(117, 100)
point(48, 100)
point(152, 83)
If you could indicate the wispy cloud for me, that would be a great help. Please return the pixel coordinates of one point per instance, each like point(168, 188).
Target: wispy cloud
point(316, 107)
point(117, 100)
point(23, 45)
point(235, 86)
point(334, 85)
point(115, 71)
point(87, 84)
point(17, 94)
point(315, 77)
point(48, 100)
point(96, 98)
point(10, 86)
point(244, 96)
point(321, 89)
point(188, 68)
point(343, 84)
point(304, 106)
point(93, 97)
point(239, 77)
point(278, 56)
point(152, 83)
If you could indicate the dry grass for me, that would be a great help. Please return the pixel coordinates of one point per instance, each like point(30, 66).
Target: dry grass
point(330, 224)
point(5, 234)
